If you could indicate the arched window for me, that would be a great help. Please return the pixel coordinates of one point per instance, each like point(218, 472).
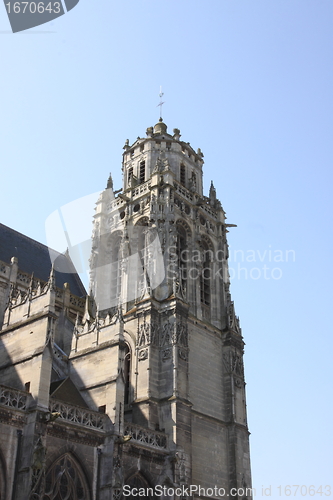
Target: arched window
point(129, 176)
point(142, 172)
point(145, 245)
point(182, 259)
point(65, 480)
point(205, 279)
point(182, 175)
point(127, 375)
point(115, 275)
point(142, 235)
point(138, 481)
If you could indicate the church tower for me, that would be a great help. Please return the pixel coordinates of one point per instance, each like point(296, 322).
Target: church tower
point(159, 348)
point(139, 384)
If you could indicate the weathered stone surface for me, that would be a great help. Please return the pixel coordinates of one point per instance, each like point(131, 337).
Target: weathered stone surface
point(152, 360)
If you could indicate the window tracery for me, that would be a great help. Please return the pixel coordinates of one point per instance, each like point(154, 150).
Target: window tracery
point(206, 278)
point(140, 483)
point(65, 481)
point(182, 251)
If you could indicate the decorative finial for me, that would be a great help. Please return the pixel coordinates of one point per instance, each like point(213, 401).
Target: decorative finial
point(161, 94)
point(176, 133)
point(51, 281)
point(31, 284)
point(110, 182)
point(77, 322)
point(86, 315)
point(212, 195)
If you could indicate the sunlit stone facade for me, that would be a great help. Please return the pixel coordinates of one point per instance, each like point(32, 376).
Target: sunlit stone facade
point(141, 382)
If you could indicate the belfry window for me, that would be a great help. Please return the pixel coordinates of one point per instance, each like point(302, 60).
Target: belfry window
point(142, 172)
point(130, 175)
point(182, 175)
point(142, 237)
point(205, 277)
point(182, 253)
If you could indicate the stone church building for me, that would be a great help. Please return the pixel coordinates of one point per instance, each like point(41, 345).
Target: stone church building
point(140, 382)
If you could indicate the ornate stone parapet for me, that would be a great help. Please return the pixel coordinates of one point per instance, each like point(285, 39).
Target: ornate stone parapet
point(141, 189)
point(78, 416)
point(146, 437)
point(13, 398)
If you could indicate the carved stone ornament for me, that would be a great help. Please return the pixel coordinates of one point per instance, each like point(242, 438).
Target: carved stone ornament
point(147, 334)
point(117, 478)
point(226, 362)
point(182, 354)
point(233, 319)
point(174, 334)
point(233, 363)
point(143, 354)
point(238, 383)
point(181, 334)
point(117, 493)
point(166, 354)
point(167, 334)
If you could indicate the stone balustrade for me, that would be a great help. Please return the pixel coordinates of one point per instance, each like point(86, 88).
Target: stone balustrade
point(13, 398)
point(146, 437)
point(78, 415)
point(142, 188)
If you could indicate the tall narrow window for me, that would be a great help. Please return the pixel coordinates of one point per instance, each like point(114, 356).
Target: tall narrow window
point(142, 173)
point(141, 235)
point(182, 254)
point(127, 375)
point(115, 283)
point(182, 175)
point(205, 281)
point(130, 175)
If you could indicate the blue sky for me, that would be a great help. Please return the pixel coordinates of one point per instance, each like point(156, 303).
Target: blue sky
point(250, 83)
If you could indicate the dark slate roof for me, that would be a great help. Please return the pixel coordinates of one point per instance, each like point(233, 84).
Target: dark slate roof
point(34, 257)
point(66, 391)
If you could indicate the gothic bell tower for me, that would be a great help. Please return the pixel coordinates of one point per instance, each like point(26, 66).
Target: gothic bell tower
point(169, 342)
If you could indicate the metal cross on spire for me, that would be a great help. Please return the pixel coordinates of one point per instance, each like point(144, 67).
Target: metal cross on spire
point(161, 94)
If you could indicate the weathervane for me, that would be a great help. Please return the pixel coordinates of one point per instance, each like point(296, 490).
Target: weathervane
point(161, 94)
